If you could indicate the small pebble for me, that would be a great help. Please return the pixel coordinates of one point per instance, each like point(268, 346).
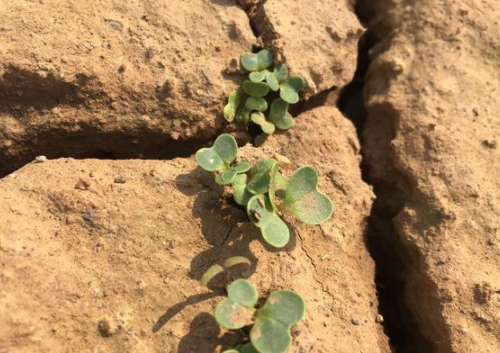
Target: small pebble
point(104, 328)
point(40, 159)
point(120, 180)
point(355, 321)
point(491, 144)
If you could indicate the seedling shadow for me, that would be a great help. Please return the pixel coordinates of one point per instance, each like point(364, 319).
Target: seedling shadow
point(204, 334)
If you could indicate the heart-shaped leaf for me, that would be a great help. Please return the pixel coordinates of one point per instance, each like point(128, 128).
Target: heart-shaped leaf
point(271, 331)
point(259, 104)
point(220, 155)
point(225, 177)
point(303, 198)
point(237, 310)
point(277, 77)
point(260, 119)
point(231, 106)
point(257, 62)
point(240, 193)
point(279, 115)
point(289, 90)
point(260, 176)
point(255, 89)
point(274, 231)
point(248, 348)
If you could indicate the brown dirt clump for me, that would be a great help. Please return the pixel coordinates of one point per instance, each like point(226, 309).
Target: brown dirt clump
point(431, 146)
point(316, 39)
point(115, 79)
point(104, 256)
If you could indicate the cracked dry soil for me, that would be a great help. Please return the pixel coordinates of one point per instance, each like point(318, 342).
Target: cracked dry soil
point(91, 265)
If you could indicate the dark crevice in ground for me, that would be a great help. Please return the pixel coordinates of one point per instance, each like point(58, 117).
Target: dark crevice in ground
point(383, 242)
point(92, 143)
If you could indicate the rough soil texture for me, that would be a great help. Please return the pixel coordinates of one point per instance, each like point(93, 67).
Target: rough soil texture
point(103, 256)
point(431, 144)
point(316, 39)
point(147, 78)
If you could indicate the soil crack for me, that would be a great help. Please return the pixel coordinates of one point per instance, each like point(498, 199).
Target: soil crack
point(383, 242)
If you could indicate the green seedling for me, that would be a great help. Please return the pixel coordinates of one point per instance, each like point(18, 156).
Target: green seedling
point(265, 193)
point(263, 79)
point(271, 323)
point(232, 106)
point(220, 158)
point(218, 276)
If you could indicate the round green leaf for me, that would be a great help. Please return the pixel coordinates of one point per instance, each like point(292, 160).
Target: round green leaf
point(232, 315)
point(265, 59)
point(303, 198)
point(279, 115)
point(270, 336)
point(258, 76)
point(243, 116)
point(225, 177)
point(284, 306)
point(281, 72)
point(272, 81)
point(260, 119)
point(226, 147)
point(274, 231)
point(289, 90)
point(231, 351)
point(255, 89)
point(209, 160)
point(243, 292)
point(250, 61)
point(259, 104)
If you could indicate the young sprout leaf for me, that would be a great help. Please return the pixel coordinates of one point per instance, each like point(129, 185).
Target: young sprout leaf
point(255, 89)
point(258, 76)
point(289, 90)
point(219, 155)
point(237, 260)
point(273, 173)
point(257, 62)
point(259, 104)
point(231, 351)
point(243, 292)
point(232, 315)
point(225, 177)
point(240, 193)
point(243, 116)
point(260, 119)
point(231, 106)
point(211, 273)
point(279, 115)
point(237, 310)
point(271, 332)
point(303, 198)
point(277, 77)
point(274, 231)
point(260, 176)
point(242, 167)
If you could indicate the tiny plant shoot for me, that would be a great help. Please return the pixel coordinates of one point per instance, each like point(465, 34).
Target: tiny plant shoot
point(271, 323)
point(269, 113)
point(263, 190)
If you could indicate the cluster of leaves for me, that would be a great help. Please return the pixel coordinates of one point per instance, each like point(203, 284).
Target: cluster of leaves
point(261, 82)
point(263, 190)
point(272, 322)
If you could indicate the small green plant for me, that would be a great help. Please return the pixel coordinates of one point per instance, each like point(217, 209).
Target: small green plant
point(271, 323)
point(226, 272)
point(263, 190)
point(261, 82)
